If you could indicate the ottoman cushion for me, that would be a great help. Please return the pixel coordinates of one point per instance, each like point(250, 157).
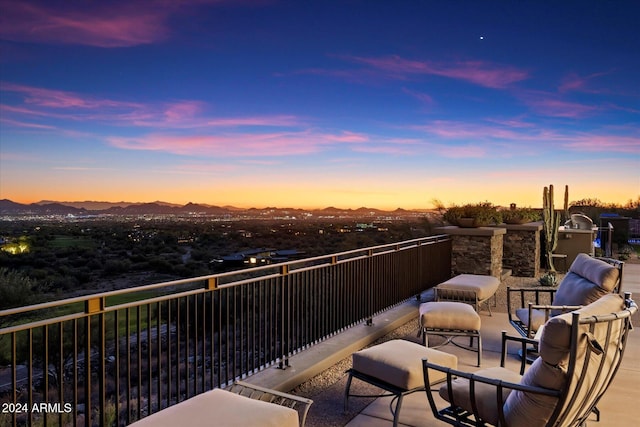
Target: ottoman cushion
point(220, 407)
point(449, 315)
point(483, 286)
point(399, 362)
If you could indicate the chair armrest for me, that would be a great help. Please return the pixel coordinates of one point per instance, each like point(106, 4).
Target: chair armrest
point(524, 342)
point(527, 295)
point(454, 413)
point(300, 404)
point(518, 298)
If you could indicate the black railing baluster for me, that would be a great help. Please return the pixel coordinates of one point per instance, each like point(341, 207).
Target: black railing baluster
point(116, 364)
point(128, 359)
point(149, 348)
point(139, 360)
point(102, 371)
point(75, 372)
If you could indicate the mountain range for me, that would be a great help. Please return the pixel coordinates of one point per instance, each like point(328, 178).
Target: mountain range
point(48, 207)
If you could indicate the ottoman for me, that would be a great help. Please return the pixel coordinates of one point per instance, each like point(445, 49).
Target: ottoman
point(469, 288)
point(396, 367)
point(220, 407)
point(450, 319)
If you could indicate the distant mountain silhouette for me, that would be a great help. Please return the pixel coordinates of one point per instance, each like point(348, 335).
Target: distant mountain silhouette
point(53, 208)
point(47, 207)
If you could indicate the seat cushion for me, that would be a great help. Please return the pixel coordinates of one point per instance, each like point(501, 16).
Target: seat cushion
point(483, 286)
point(537, 318)
point(555, 337)
point(449, 315)
point(399, 362)
point(220, 407)
point(485, 395)
point(527, 409)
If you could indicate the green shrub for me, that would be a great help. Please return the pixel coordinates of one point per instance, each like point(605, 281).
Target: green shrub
point(520, 216)
point(482, 214)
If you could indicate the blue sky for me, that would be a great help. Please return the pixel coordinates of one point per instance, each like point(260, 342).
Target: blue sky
point(319, 103)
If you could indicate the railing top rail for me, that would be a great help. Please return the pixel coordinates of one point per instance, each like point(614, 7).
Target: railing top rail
point(290, 265)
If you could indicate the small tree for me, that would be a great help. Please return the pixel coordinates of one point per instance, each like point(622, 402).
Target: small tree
point(16, 289)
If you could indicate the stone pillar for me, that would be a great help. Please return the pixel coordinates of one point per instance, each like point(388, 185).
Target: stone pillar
point(475, 250)
point(522, 249)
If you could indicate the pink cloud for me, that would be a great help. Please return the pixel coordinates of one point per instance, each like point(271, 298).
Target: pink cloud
point(180, 111)
point(512, 123)
point(17, 123)
point(385, 149)
point(346, 136)
point(574, 82)
point(463, 130)
point(277, 120)
point(549, 104)
point(559, 108)
point(100, 24)
point(420, 96)
point(481, 73)
point(112, 24)
point(462, 151)
point(237, 145)
point(605, 143)
point(52, 98)
point(184, 114)
point(485, 137)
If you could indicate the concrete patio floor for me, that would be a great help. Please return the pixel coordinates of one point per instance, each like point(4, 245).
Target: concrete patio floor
point(619, 406)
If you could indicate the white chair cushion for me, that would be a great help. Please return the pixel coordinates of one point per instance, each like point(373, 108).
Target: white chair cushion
point(222, 408)
point(555, 337)
point(449, 315)
point(595, 270)
point(527, 409)
point(399, 362)
point(483, 286)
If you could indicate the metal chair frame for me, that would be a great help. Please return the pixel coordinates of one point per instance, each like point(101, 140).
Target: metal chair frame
point(577, 399)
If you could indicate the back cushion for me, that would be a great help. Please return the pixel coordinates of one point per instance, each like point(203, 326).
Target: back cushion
point(595, 270)
point(556, 333)
point(588, 279)
point(527, 409)
point(576, 290)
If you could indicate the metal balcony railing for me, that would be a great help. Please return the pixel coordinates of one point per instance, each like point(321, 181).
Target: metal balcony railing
point(112, 358)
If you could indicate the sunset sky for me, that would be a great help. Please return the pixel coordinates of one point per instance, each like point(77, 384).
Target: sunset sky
point(259, 103)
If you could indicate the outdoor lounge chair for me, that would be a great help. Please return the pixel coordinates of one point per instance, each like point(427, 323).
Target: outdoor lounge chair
point(580, 353)
point(588, 279)
point(240, 405)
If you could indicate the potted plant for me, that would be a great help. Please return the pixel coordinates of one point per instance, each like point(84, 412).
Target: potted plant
point(473, 215)
point(520, 216)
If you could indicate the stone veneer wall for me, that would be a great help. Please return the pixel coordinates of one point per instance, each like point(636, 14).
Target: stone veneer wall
point(476, 250)
point(522, 250)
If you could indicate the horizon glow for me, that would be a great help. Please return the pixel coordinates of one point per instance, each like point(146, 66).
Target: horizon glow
point(317, 104)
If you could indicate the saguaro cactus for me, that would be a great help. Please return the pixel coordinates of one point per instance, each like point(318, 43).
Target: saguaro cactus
point(566, 203)
point(551, 222)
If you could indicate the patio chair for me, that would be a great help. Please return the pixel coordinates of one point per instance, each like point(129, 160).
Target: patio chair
point(580, 353)
point(588, 279)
